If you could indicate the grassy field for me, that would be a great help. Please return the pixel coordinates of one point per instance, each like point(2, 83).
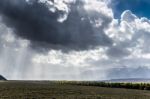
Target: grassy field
point(55, 90)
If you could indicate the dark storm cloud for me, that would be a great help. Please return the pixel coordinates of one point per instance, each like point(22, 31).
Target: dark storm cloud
point(35, 22)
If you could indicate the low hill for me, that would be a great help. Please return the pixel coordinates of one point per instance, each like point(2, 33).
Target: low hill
point(2, 78)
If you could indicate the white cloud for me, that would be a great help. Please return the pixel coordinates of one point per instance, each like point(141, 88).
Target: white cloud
point(74, 58)
point(61, 5)
point(100, 6)
point(131, 33)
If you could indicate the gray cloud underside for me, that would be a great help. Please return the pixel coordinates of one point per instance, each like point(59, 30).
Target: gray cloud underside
point(119, 73)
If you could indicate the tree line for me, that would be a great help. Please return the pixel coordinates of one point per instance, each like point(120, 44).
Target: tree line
point(140, 86)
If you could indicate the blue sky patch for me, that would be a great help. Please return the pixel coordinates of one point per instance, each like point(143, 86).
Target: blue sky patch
point(139, 7)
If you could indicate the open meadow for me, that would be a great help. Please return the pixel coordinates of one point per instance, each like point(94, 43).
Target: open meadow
point(64, 90)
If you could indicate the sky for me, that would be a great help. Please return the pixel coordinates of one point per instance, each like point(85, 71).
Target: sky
point(74, 39)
